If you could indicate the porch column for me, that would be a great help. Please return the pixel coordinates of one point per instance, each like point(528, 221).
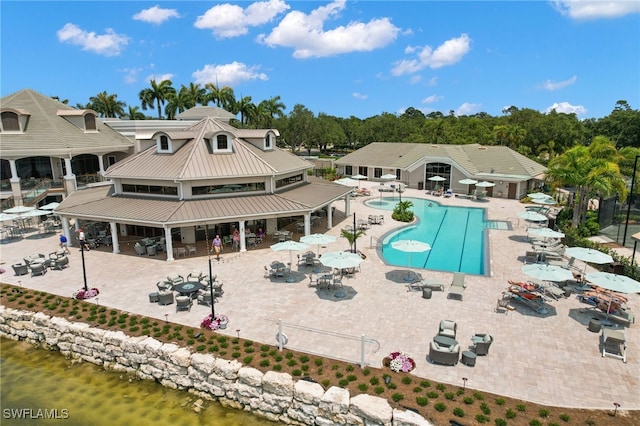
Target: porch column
point(114, 237)
point(243, 242)
point(307, 224)
point(272, 226)
point(67, 231)
point(16, 189)
point(69, 178)
point(329, 215)
point(101, 165)
point(168, 244)
point(347, 205)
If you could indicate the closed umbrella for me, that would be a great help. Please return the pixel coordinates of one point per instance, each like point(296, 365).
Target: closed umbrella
point(341, 259)
point(318, 239)
point(547, 272)
point(410, 246)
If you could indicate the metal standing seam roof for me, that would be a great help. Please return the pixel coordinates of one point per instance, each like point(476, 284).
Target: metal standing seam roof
point(99, 204)
point(194, 160)
point(48, 133)
point(473, 158)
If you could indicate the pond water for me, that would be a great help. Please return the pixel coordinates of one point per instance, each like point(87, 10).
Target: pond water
point(43, 387)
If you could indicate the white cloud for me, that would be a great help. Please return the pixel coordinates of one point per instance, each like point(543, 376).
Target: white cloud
point(431, 99)
point(108, 44)
point(415, 79)
point(567, 108)
point(228, 74)
point(130, 74)
point(359, 96)
point(468, 109)
point(156, 15)
point(556, 85)
point(159, 77)
point(595, 9)
point(448, 53)
point(229, 20)
point(307, 36)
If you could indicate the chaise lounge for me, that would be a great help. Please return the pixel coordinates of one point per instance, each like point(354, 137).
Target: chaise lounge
point(457, 285)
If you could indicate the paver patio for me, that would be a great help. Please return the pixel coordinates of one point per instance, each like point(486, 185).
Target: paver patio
point(549, 359)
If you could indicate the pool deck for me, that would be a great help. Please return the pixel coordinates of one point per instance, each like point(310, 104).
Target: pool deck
point(550, 359)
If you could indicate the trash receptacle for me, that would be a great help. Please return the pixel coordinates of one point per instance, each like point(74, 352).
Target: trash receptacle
point(426, 293)
point(420, 186)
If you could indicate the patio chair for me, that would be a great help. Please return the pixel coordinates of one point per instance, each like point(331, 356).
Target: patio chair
point(204, 298)
point(447, 355)
point(20, 269)
point(140, 249)
point(38, 269)
point(448, 328)
point(60, 263)
point(457, 285)
point(190, 249)
point(164, 286)
point(194, 276)
point(481, 343)
point(183, 303)
point(268, 272)
point(175, 279)
point(152, 250)
point(165, 298)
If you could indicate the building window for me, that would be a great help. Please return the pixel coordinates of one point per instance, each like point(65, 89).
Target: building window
point(164, 143)
point(363, 170)
point(348, 170)
point(111, 160)
point(377, 172)
point(288, 181)
point(222, 143)
point(225, 189)
point(267, 142)
point(398, 174)
point(10, 122)
point(150, 189)
point(89, 122)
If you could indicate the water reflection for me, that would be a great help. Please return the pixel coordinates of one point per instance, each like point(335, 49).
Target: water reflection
point(35, 384)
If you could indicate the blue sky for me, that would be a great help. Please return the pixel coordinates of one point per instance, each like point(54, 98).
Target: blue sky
point(342, 58)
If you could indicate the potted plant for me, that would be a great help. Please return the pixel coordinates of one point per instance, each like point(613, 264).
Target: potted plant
point(83, 294)
point(220, 321)
point(399, 362)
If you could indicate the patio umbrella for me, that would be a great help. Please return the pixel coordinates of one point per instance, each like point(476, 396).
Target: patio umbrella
point(535, 195)
point(318, 239)
point(547, 201)
point(530, 216)
point(7, 216)
point(437, 179)
point(19, 209)
point(291, 246)
point(347, 182)
point(588, 255)
point(410, 246)
point(614, 282)
point(468, 182)
point(547, 272)
point(388, 176)
point(358, 176)
point(34, 213)
point(50, 206)
point(545, 233)
point(485, 184)
point(341, 259)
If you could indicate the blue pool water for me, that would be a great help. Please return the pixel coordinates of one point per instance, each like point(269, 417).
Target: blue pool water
point(456, 236)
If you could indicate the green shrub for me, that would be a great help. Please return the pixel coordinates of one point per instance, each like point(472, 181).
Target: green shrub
point(564, 417)
point(264, 348)
point(543, 412)
point(440, 387)
point(278, 358)
point(478, 396)
point(352, 377)
point(485, 409)
point(433, 394)
point(458, 412)
point(248, 343)
point(468, 400)
point(392, 385)
point(292, 362)
point(325, 382)
point(500, 422)
point(305, 367)
point(425, 383)
point(277, 367)
point(317, 362)
point(289, 355)
point(339, 375)
point(417, 389)
point(264, 363)
point(350, 368)
point(304, 358)
point(535, 422)
point(374, 381)
point(406, 380)
point(378, 389)
point(343, 383)
point(397, 397)
point(500, 401)
point(422, 401)
point(440, 407)
point(510, 414)
point(521, 407)
point(296, 372)
point(449, 395)
point(460, 392)
point(363, 387)
point(235, 355)
point(366, 371)
point(247, 359)
point(481, 418)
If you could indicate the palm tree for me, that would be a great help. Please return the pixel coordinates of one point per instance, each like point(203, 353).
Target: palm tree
point(197, 94)
point(591, 170)
point(352, 236)
point(107, 105)
point(178, 102)
point(246, 108)
point(223, 97)
point(275, 108)
point(134, 113)
point(156, 95)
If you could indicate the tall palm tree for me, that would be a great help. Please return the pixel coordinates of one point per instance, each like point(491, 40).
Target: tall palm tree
point(134, 113)
point(591, 170)
point(222, 97)
point(275, 108)
point(245, 107)
point(156, 95)
point(197, 94)
point(178, 102)
point(107, 105)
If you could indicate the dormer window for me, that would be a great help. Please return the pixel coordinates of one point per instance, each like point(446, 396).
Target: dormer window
point(164, 145)
point(14, 120)
point(222, 143)
point(268, 143)
point(84, 119)
point(89, 122)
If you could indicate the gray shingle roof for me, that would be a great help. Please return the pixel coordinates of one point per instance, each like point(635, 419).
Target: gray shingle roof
point(48, 134)
point(476, 160)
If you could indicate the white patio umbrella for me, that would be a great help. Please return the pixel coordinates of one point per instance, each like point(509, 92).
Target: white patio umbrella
point(410, 246)
point(530, 216)
point(485, 184)
point(545, 201)
point(437, 178)
point(468, 182)
point(7, 216)
point(545, 233)
point(318, 239)
point(535, 195)
point(34, 213)
point(19, 209)
point(291, 246)
point(588, 255)
point(341, 259)
point(358, 176)
point(388, 176)
point(547, 272)
point(613, 282)
point(347, 182)
point(50, 206)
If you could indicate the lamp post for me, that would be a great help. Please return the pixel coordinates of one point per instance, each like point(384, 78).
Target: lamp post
point(213, 309)
point(633, 181)
point(84, 269)
point(355, 250)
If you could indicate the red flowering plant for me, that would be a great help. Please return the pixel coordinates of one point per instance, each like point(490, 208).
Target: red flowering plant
point(401, 362)
point(214, 323)
point(86, 294)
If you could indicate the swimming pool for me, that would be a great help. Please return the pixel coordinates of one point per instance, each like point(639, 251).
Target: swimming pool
point(456, 235)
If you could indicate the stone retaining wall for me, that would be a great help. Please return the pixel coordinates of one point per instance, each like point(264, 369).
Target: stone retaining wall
point(273, 395)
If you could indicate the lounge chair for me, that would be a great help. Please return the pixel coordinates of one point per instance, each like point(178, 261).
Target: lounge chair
point(448, 193)
point(457, 285)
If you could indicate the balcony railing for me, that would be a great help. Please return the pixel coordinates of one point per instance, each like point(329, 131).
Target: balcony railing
point(39, 189)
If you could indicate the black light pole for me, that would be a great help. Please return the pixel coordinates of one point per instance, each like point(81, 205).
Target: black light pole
point(213, 309)
point(633, 181)
point(84, 270)
point(354, 233)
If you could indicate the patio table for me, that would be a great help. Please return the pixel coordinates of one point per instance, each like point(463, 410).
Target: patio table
point(445, 340)
point(188, 288)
